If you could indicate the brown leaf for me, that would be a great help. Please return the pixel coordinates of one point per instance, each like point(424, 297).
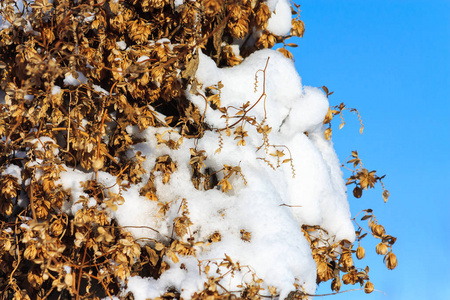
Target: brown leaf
point(191, 67)
point(217, 37)
point(152, 255)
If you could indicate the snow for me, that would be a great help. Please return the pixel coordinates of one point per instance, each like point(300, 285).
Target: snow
point(272, 4)
point(41, 141)
point(280, 20)
point(15, 171)
point(89, 18)
point(121, 45)
point(282, 91)
point(178, 3)
point(272, 204)
point(100, 90)
point(56, 89)
point(143, 58)
point(70, 80)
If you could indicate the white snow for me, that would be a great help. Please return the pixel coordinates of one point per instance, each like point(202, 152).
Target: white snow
point(56, 89)
point(280, 20)
point(70, 80)
point(272, 4)
point(271, 206)
point(89, 18)
point(121, 45)
point(178, 3)
point(15, 171)
point(142, 58)
point(100, 90)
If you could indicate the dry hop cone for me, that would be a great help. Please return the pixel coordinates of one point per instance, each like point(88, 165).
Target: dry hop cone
point(391, 261)
point(378, 230)
point(381, 249)
point(368, 287)
point(360, 252)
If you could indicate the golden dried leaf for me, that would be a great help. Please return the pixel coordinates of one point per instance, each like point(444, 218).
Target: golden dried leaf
point(191, 67)
point(286, 53)
point(172, 256)
point(245, 235)
point(153, 257)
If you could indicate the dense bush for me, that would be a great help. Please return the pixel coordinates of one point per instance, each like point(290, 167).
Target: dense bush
point(76, 76)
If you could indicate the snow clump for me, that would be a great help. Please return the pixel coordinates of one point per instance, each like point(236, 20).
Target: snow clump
point(270, 205)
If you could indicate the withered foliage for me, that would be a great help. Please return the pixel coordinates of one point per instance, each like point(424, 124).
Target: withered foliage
point(132, 62)
point(335, 258)
point(362, 178)
point(338, 110)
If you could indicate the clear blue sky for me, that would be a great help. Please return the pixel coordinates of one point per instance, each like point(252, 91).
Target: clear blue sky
point(391, 61)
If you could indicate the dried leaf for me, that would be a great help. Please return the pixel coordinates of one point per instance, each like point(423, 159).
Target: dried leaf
point(191, 68)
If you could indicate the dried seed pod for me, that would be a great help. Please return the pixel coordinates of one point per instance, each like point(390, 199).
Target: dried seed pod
point(368, 287)
point(266, 40)
point(391, 261)
point(30, 252)
point(57, 227)
point(346, 259)
point(360, 252)
point(298, 28)
point(347, 278)
point(212, 7)
point(263, 15)
point(378, 230)
point(381, 249)
point(35, 279)
point(97, 163)
point(336, 284)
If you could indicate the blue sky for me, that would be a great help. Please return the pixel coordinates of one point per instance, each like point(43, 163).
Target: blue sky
point(391, 61)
